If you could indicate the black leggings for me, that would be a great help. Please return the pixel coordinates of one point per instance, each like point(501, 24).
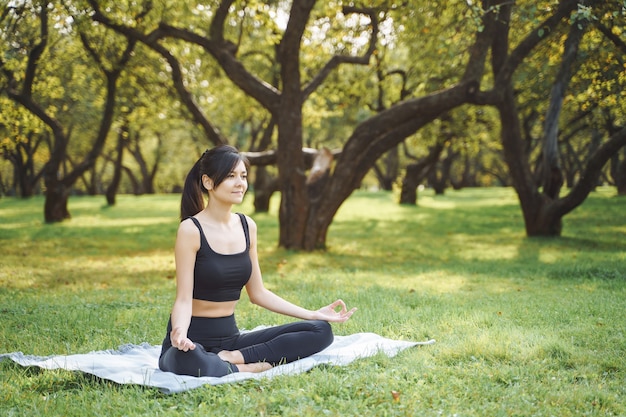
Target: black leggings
point(275, 345)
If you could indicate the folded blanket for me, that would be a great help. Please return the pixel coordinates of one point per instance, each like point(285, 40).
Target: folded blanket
point(138, 364)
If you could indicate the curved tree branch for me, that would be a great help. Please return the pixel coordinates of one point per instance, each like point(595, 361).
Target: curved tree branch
point(591, 173)
point(112, 77)
point(525, 47)
point(36, 52)
point(223, 51)
point(479, 50)
point(152, 40)
point(216, 30)
point(25, 97)
point(388, 128)
point(337, 60)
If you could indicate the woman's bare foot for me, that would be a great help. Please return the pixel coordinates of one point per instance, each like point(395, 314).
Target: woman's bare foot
point(232, 356)
point(254, 367)
point(235, 357)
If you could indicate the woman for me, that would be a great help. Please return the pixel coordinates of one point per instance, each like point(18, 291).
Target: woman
point(216, 256)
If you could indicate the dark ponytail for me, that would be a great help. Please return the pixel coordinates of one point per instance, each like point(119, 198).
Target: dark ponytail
point(217, 164)
point(192, 200)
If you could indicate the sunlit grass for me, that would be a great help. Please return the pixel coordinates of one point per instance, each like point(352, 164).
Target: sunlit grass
point(523, 326)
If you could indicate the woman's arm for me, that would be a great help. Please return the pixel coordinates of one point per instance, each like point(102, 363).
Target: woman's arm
point(265, 298)
point(187, 245)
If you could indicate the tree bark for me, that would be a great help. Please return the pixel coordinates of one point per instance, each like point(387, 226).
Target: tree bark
point(439, 176)
point(111, 191)
point(386, 169)
point(291, 168)
point(620, 175)
point(147, 174)
point(265, 185)
point(416, 172)
point(22, 158)
point(618, 161)
point(552, 174)
point(55, 205)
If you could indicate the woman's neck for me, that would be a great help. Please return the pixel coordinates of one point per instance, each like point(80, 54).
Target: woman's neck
point(218, 213)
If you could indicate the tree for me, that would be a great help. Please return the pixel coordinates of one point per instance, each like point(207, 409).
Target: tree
point(304, 217)
point(417, 171)
point(111, 191)
point(543, 208)
point(30, 45)
point(22, 137)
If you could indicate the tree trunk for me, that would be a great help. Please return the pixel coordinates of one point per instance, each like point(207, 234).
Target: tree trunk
point(264, 187)
point(416, 172)
point(134, 182)
point(410, 183)
point(294, 203)
point(57, 195)
point(542, 214)
point(21, 172)
point(468, 177)
point(387, 172)
point(135, 150)
point(111, 191)
point(552, 175)
point(617, 168)
point(23, 160)
point(513, 147)
point(439, 176)
point(368, 141)
point(4, 189)
point(619, 175)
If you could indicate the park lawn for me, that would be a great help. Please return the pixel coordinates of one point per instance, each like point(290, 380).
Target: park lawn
point(523, 326)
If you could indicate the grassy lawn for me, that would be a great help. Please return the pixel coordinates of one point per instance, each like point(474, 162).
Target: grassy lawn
point(524, 327)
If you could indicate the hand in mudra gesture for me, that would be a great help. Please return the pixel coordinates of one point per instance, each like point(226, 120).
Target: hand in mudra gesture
point(336, 312)
point(180, 340)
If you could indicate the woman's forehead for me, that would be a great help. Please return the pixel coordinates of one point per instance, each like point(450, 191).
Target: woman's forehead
point(240, 167)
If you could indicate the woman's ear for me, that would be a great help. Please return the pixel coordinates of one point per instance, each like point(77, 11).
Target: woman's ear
point(207, 182)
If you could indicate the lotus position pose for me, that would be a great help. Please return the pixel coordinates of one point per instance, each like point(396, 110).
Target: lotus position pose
point(216, 256)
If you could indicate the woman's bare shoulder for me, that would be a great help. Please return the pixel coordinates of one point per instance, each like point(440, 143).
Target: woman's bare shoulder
point(187, 228)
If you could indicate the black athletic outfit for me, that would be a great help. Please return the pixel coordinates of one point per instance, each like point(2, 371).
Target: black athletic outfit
point(219, 277)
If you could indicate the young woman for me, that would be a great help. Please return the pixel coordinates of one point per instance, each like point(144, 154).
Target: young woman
point(216, 256)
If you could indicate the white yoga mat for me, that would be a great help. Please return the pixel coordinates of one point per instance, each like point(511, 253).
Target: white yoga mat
point(138, 364)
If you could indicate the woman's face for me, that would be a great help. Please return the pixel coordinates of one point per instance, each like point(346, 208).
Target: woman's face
point(234, 186)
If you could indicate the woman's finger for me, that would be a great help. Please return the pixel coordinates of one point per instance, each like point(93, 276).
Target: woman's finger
point(338, 303)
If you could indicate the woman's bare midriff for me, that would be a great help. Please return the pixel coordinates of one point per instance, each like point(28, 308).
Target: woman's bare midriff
point(214, 309)
point(202, 308)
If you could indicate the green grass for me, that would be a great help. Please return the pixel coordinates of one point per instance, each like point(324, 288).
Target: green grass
point(524, 327)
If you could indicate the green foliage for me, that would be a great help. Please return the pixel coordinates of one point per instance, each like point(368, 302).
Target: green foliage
point(426, 41)
point(523, 326)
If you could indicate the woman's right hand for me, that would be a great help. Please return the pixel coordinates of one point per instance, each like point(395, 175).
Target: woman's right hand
point(180, 340)
point(330, 313)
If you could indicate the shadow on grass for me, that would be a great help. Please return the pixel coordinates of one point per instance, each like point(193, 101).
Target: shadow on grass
point(463, 234)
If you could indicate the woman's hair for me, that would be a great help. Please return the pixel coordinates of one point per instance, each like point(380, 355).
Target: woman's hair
point(217, 164)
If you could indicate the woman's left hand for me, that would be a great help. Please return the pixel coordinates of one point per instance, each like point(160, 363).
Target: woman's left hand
point(331, 314)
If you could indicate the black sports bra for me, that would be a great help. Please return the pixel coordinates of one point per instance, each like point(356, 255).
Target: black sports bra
point(219, 277)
